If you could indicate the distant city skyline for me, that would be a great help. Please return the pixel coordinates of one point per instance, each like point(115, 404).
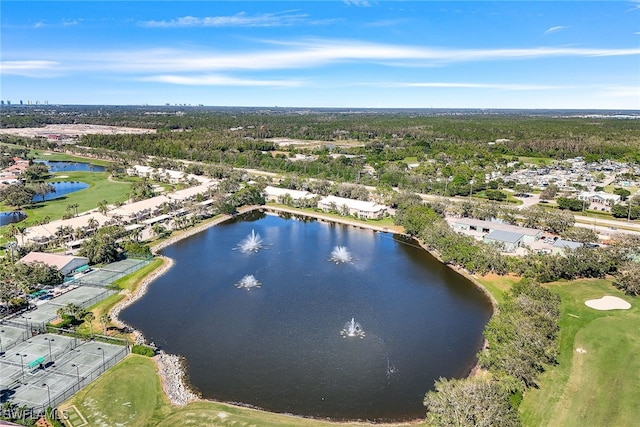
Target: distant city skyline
point(352, 53)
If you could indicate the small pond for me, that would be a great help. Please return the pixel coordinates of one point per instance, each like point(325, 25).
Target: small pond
point(62, 189)
point(10, 217)
point(62, 166)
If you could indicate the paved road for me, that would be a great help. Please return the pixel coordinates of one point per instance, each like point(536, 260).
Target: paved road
point(607, 226)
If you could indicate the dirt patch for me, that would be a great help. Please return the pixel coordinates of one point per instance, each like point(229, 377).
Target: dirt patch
point(73, 130)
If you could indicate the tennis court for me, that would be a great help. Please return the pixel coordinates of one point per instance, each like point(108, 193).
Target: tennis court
point(38, 318)
point(111, 272)
point(47, 369)
point(83, 296)
point(10, 336)
point(43, 370)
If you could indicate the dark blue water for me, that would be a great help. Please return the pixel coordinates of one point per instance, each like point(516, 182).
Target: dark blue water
point(10, 217)
point(62, 166)
point(62, 189)
point(279, 346)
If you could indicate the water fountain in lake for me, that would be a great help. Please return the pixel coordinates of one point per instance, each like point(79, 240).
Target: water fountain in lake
point(252, 243)
point(391, 369)
point(248, 282)
point(352, 329)
point(340, 255)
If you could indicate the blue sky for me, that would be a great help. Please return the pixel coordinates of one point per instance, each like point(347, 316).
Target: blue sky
point(352, 53)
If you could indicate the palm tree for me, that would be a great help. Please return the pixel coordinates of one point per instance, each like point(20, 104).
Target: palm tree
point(135, 234)
point(63, 232)
point(102, 207)
point(105, 319)
point(89, 317)
point(92, 224)
point(73, 207)
point(11, 232)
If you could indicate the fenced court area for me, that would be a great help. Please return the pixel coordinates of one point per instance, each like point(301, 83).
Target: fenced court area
point(85, 292)
point(10, 336)
point(47, 369)
point(36, 320)
point(40, 370)
point(83, 296)
point(110, 273)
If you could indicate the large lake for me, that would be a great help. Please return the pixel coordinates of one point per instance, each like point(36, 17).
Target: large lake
point(279, 346)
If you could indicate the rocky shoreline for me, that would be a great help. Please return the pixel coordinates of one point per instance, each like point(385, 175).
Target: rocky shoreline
point(170, 369)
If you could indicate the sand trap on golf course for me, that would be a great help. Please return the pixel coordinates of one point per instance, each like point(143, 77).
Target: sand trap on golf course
point(608, 303)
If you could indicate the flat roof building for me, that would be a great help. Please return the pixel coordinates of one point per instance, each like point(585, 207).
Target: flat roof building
point(357, 208)
point(276, 194)
point(507, 241)
point(66, 264)
point(485, 227)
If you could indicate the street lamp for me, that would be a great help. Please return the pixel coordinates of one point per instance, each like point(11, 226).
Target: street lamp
point(470, 187)
point(49, 340)
point(446, 184)
point(102, 350)
point(21, 363)
point(77, 371)
point(48, 393)
point(26, 323)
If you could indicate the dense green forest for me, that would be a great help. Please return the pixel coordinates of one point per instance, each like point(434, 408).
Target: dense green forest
point(455, 149)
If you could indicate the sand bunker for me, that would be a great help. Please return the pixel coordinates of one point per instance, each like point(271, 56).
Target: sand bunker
point(608, 303)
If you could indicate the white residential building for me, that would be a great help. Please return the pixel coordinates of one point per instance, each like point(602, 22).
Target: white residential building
point(599, 200)
point(357, 208)
point(275, 194)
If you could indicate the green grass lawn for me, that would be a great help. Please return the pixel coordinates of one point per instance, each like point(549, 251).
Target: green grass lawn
point(130, 394)
point(598, 387)
point(497, 285)
point(55, 156)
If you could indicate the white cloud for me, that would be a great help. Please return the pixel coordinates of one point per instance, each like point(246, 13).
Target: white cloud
point(555, 29)
point(357, 3)
point(238, 20)
point(496, 86)
point(298, 55)
point(218, 80)
point(29, 68)
point(631, 92)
